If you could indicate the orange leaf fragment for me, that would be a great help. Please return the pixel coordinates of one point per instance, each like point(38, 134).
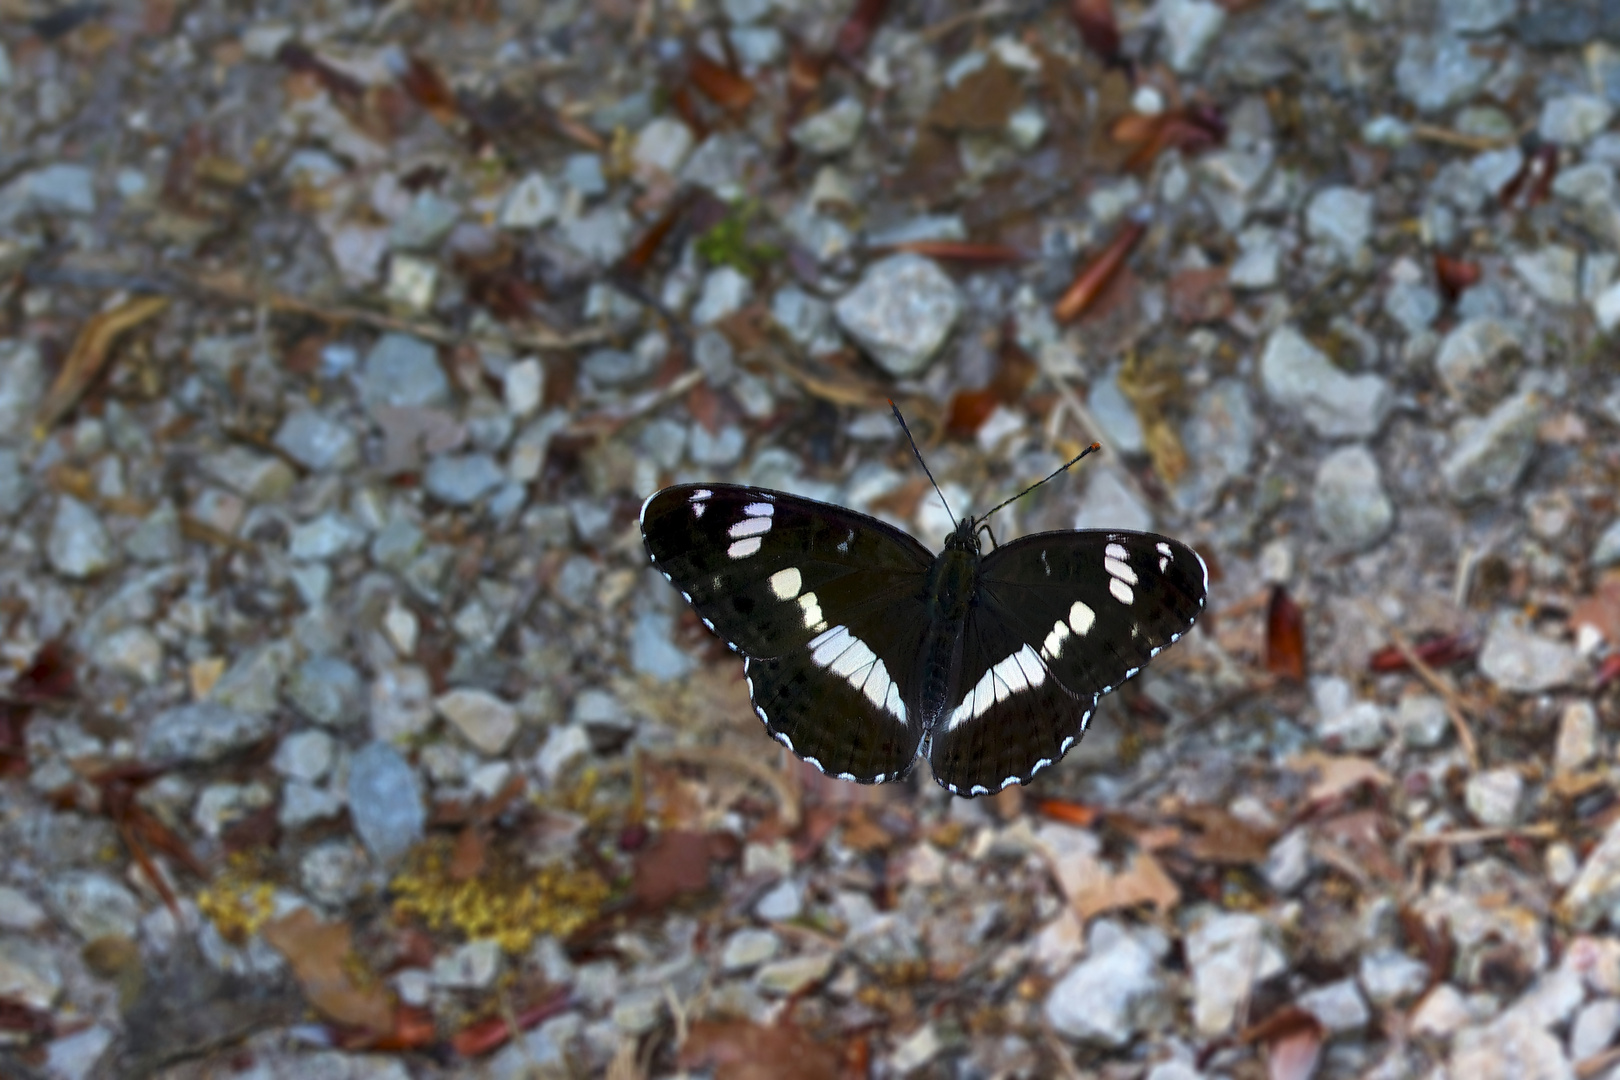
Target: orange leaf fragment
point(721, 85)
point(1337, 775)
point(321, 955)
point(1096, 275)
point(1070, 813)
point(89, 356)
point(1098, 28)
point(739, 1050)
point(1143, 881)
point(1285, 636)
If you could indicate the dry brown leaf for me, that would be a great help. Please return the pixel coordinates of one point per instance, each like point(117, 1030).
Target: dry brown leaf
point(321, 955)
point(89, 356)
point(739, 1050)
point(1337, 775)
point(673, 865)
point(1225, 839)
point(1143, 881)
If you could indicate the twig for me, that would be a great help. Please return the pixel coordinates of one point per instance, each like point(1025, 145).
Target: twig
point(1541, 830)
point(731, 759)
point(1447, 137)
point(938, 30)
point(1436, 682)
point(608, 422)
point(1597, 1064)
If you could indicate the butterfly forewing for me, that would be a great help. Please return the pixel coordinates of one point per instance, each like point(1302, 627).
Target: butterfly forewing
point(1060, 619)
point(824, 602)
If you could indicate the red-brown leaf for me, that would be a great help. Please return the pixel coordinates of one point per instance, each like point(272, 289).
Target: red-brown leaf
point(673, 865)
point(1293, 1040)
point(1200, 296)
point(962, 251)
point(1455, 276)
point(1096, 275)
point(486, 1035)
point(739, 1050)
point(856, 32)
point(969, 410)
point(1098, 28)
point(47, 679)
point(429, 88)
point(721, 85)
point(1533, 182)
point(1285, 636)
point(299, 57)
point(1070, 813)
point(1438, 652)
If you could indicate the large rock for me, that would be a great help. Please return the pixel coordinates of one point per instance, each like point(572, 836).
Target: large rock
point(1113, 994)
point(1490, 454)
point(205, 731)
point(1523, 662)
point(901, 312)
point(1299, 377)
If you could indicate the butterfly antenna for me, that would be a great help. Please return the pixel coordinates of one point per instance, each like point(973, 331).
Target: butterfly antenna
point(1051, 476)
point(920, 460)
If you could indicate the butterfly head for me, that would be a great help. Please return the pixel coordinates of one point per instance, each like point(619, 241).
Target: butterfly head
point(966, 536)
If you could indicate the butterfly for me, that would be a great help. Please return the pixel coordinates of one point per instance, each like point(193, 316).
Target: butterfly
point(864, 651)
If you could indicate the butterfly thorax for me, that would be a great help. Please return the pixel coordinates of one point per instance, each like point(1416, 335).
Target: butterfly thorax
point(948, 595)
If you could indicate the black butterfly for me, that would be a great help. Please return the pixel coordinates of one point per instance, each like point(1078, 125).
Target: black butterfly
point(864, 651)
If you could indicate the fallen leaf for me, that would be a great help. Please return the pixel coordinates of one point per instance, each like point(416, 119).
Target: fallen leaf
point(1366, 836)
point(1143, 881)
point(296, 56)
point(1095, 276)
point(673, 865)
point(982, 101)
point(91, 351)
point(1200, 296)
point(321, 956)
point(1293, 1040)
point(23, 1023)
point(429, 88)
point(964, 251)
point(1337, 775)
point(721, 85)
point(48, 678)
point(1436, 652)
point(1455, 276)
point(739, 1050)
point(1223, 838)
point(1533, 182)
point(968, 412)
point(857, 30)
point(486, 1035)
point(1098, 28)
point(1189, 130)
point(1433, 941)
point(1070, 813)
point(1285, 636)
point(1600, 610)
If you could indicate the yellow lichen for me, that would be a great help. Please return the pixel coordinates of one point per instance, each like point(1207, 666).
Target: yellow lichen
point(236, 902)
point(509, 903)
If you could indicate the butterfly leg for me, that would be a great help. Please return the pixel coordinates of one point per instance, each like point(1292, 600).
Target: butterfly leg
point(984, 527)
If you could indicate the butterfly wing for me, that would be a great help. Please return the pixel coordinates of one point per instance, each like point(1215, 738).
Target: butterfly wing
point(1061, 619)
point(825, 605)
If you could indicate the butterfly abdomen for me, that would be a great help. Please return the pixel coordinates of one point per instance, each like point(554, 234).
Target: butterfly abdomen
point(951, 584)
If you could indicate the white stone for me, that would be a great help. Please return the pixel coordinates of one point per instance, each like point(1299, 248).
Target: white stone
point(662, 145)
point(901, 312)
point(1572, 119)
point(530, 203)
point(524, 384)
point(832, 130)
point(1190, 28)
point(78, 545)
point(1577, 742)
point(486, 721)
point(1493, 797)
point(565, 745)
point(1229, 954)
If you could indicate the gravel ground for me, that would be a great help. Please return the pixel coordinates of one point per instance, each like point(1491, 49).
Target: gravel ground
point(348, 733)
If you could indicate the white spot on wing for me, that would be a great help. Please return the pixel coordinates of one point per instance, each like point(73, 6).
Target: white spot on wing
point(1080, 618)
point(1009, 782)
point(880, 777)
point(1120, 570)
point(1014, 674)
point(1163, 549)
point(759, 509)
point(1054, 641)
point(1044, 564)
point(700, 494)
point(1122, 592)
point(750, 526)
point(847, 776)
point(781, 737)
point(812, 612)
point(1115, 551)
point(817, 764)
point(851, 659)
point(977, 789)
point(786, 583)
point(743, 548)
point(1068, 741)
point(1205, 569)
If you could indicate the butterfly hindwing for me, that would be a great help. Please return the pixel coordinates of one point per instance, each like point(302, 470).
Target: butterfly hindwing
point(824, 603)
point(1060, 619)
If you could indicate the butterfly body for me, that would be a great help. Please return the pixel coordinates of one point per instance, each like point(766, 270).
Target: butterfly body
point(864, 651)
